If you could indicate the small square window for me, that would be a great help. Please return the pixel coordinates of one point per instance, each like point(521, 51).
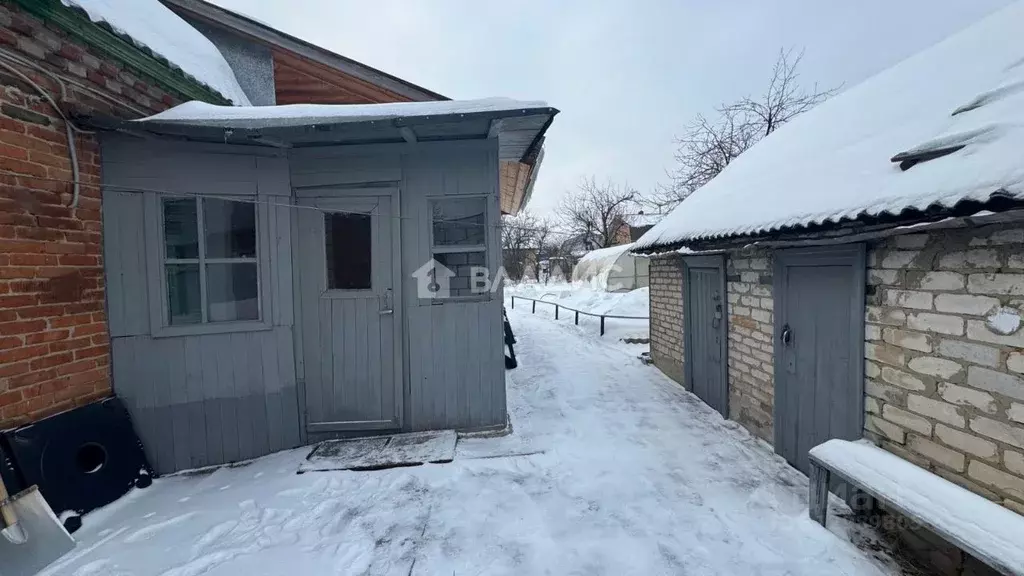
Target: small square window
point(210, 259)
point(459, 227)
point(459, 221)
point(349, 250)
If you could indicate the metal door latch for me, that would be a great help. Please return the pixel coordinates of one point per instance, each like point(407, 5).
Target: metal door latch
point(388, 307)
point(787, 334)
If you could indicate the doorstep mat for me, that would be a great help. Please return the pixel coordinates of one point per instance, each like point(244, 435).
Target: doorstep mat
point(380, 452)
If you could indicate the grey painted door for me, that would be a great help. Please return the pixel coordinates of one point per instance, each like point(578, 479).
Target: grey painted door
point(347, 277)
point(819, 333)
point(705, 348)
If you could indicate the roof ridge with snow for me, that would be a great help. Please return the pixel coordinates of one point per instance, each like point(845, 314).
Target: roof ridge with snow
point(152, 26)
point(940, 128)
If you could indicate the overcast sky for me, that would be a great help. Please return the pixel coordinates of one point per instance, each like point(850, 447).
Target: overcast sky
point(627, 75)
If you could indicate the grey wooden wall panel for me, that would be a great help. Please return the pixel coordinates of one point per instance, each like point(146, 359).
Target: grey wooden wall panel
point(124, 264)
point(203, 399)
point(344, 166)
point(454, 352)
point(210, 399)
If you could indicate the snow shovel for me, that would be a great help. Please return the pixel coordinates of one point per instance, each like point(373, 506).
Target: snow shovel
point(31, 537)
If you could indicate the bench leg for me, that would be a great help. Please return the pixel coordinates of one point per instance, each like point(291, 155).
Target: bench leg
point(817, 503)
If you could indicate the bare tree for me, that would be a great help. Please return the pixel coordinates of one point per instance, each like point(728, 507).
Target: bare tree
point(596, 214)
point(520, 237)
point(708, 146)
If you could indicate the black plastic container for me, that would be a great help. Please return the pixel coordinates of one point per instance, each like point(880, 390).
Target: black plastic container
point(81, 459)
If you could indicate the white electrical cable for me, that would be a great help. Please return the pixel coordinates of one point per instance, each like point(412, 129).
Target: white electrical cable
point(69, 128)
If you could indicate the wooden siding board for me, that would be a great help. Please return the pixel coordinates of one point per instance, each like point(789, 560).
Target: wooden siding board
point(196, 404)
point(177, 382)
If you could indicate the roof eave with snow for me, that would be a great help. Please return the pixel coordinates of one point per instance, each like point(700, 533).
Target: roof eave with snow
point(518, 126)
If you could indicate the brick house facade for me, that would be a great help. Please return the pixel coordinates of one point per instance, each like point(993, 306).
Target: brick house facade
point(941, 388)
point(54, 343)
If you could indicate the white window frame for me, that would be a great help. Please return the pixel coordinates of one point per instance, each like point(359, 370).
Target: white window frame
point(156, 252)
point(462, 249)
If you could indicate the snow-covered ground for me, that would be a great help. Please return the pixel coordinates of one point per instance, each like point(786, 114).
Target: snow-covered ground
point(611, 469)
point(583, 297)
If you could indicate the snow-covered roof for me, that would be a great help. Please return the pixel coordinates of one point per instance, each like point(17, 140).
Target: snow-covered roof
point(254, 117)
point(835, 162)
point(151, 25)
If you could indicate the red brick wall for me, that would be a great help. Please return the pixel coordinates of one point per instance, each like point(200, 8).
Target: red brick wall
point(54, 342)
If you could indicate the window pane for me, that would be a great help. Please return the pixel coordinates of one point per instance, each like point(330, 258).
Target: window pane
point(349, 239)
point(184, 303)
point(181, 228)
point(232, 292)
point(462, 264)
point(459, 221)
point(230, 228)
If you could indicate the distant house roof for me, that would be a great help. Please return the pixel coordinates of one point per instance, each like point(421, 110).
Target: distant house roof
point(254, 28)
point(941, 129)
point(149, 25)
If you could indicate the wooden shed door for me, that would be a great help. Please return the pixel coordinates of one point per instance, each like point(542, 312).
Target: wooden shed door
point(347, 277)
point(704, 352)
point(819, 348)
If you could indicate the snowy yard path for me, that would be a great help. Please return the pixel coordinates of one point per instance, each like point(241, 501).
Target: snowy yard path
point(612, 469)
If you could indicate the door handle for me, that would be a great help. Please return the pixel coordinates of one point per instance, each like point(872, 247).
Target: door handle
point(388, 307)
point(787, 335)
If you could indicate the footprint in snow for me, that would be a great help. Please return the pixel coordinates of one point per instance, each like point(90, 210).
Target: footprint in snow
point(153, 529)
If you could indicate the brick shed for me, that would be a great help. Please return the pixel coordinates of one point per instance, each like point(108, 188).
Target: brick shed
point(859, 274)
point(54, 344)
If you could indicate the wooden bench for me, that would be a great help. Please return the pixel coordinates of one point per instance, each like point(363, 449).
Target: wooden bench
point(991, 533)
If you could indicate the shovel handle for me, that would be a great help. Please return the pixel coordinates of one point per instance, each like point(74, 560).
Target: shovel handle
point(6, 512)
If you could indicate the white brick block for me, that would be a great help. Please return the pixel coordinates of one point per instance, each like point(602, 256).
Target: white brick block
point(885, 354)
point(883, 391)
point(932, 366)
point(934, 452)
point(998, 382)
point(981, 258)
point(761, 316)
point(1016, 413)
point(941, 281)
point(904, 339)
point(1016, 261)
point(872, 405)
point(907, 420)
point(941, 411)
point(988, 475)
point(908, 299)
point(750, 277)
point(939, 323)
point(967, 442)
point(871, 369)
point(872, 332)
point(878, 276)
point(1011, 284)
point(767, 303)
point(1013, 435)
point(761, 290)
point(902, 379)
point(899, 258)
point(911, 241)
point(1011, 236)
point(967, 351)
point(758, 264)
point(1015, 362)
point(1014, 462)
point(965, 304)
point(885, 316)
point(978, 331)
point(964, 396)
point(882, 428)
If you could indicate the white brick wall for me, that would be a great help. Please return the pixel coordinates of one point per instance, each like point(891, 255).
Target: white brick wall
point(942, 389)
point(666, 285)
point(751, 380)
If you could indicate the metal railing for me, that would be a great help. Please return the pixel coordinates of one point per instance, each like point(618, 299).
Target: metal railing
point(577, 312)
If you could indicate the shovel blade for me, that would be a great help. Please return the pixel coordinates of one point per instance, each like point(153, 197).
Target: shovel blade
point(37, 541)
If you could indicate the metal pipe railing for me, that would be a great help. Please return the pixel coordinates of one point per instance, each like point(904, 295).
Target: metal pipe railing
point(533, 310)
